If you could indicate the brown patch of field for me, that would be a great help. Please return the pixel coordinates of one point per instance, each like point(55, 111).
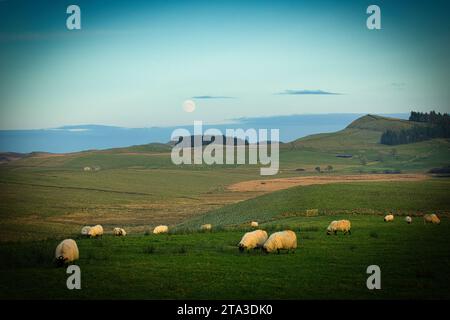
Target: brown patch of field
point(136, 217)
point(270, 185)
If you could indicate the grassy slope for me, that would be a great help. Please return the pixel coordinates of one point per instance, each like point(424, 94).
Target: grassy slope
point(209, 266)
point(359, 198)
point(361, 138)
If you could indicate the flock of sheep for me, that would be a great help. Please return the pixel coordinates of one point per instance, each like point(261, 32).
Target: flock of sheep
point(427, 218)
point(67, 250)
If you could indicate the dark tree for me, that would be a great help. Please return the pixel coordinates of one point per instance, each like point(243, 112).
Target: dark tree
point(434, 125)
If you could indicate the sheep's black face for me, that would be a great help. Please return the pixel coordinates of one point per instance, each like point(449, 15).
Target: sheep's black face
point(241, 248)
point(264, 250)
point(60, 261)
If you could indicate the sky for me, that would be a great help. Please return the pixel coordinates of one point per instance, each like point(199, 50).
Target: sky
point(134, 63)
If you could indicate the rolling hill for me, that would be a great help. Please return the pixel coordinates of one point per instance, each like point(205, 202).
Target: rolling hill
point(139, 185)
point(364, 132)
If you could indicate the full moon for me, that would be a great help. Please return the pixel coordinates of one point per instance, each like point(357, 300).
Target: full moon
point(189, 106)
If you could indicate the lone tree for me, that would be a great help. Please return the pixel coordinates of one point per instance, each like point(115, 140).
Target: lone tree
point(329, 168)
point(317, 169)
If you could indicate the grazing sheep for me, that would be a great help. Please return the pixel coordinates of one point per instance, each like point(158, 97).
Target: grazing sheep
point(252, 240)
point(119, 232)
point(66, 252)
point(431, 218)
point(389, 218)
point(161, 229)
point(95, 231)
point(408, 219)
point(205, 227)
point(339, 225)
point(254, 224)
point(283, 240)
point(85, 230)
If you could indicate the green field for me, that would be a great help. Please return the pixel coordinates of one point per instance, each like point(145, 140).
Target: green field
point(413, 261)
point(45, 198)
point(374, 198)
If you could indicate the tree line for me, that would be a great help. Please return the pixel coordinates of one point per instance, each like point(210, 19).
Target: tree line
point(433, 125)
point(432, 117)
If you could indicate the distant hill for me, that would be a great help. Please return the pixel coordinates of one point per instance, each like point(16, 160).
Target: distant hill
point(364, 132)
point(379, 123)
point(356, 148)
point(143, 148)
point(77, 138)
point(6, 157)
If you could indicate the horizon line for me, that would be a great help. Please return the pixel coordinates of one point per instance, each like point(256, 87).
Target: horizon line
point(226, 121)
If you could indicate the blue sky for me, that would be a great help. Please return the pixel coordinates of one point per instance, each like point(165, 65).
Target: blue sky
point(135, 62)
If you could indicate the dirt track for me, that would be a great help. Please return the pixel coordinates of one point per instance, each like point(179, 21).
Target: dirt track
point(271, 185)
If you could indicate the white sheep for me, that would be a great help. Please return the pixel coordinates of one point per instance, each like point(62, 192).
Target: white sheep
point(389, 218)
point(408, 219)
point(206, 227)
point(66, 252)
point(283, 240)
point(252, 240)
point(339, 225)
point(161, 229)
point(431, 218)
point(119, 232)
point(95, 231)
point(254, 224)
point(85, 230)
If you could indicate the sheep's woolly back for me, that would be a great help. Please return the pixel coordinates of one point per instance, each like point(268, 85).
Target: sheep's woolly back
point(253, 239)
point(343, 225)
point(286, 240)
point(207, 226)
point(389, 218)
point(339, 225)
point(431, 218)
point(85, 230)
point(119, 232)
point(161, 229)
point(254, 224)
point(96, 231)
point(67, 251)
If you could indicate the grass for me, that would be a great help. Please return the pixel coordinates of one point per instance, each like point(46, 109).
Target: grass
point(352, 198)
point(209, 266)
point(45, 199)
point(40, 202)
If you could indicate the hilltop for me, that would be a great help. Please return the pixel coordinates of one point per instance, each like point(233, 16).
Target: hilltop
point(379, 123)
point(362, 134)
